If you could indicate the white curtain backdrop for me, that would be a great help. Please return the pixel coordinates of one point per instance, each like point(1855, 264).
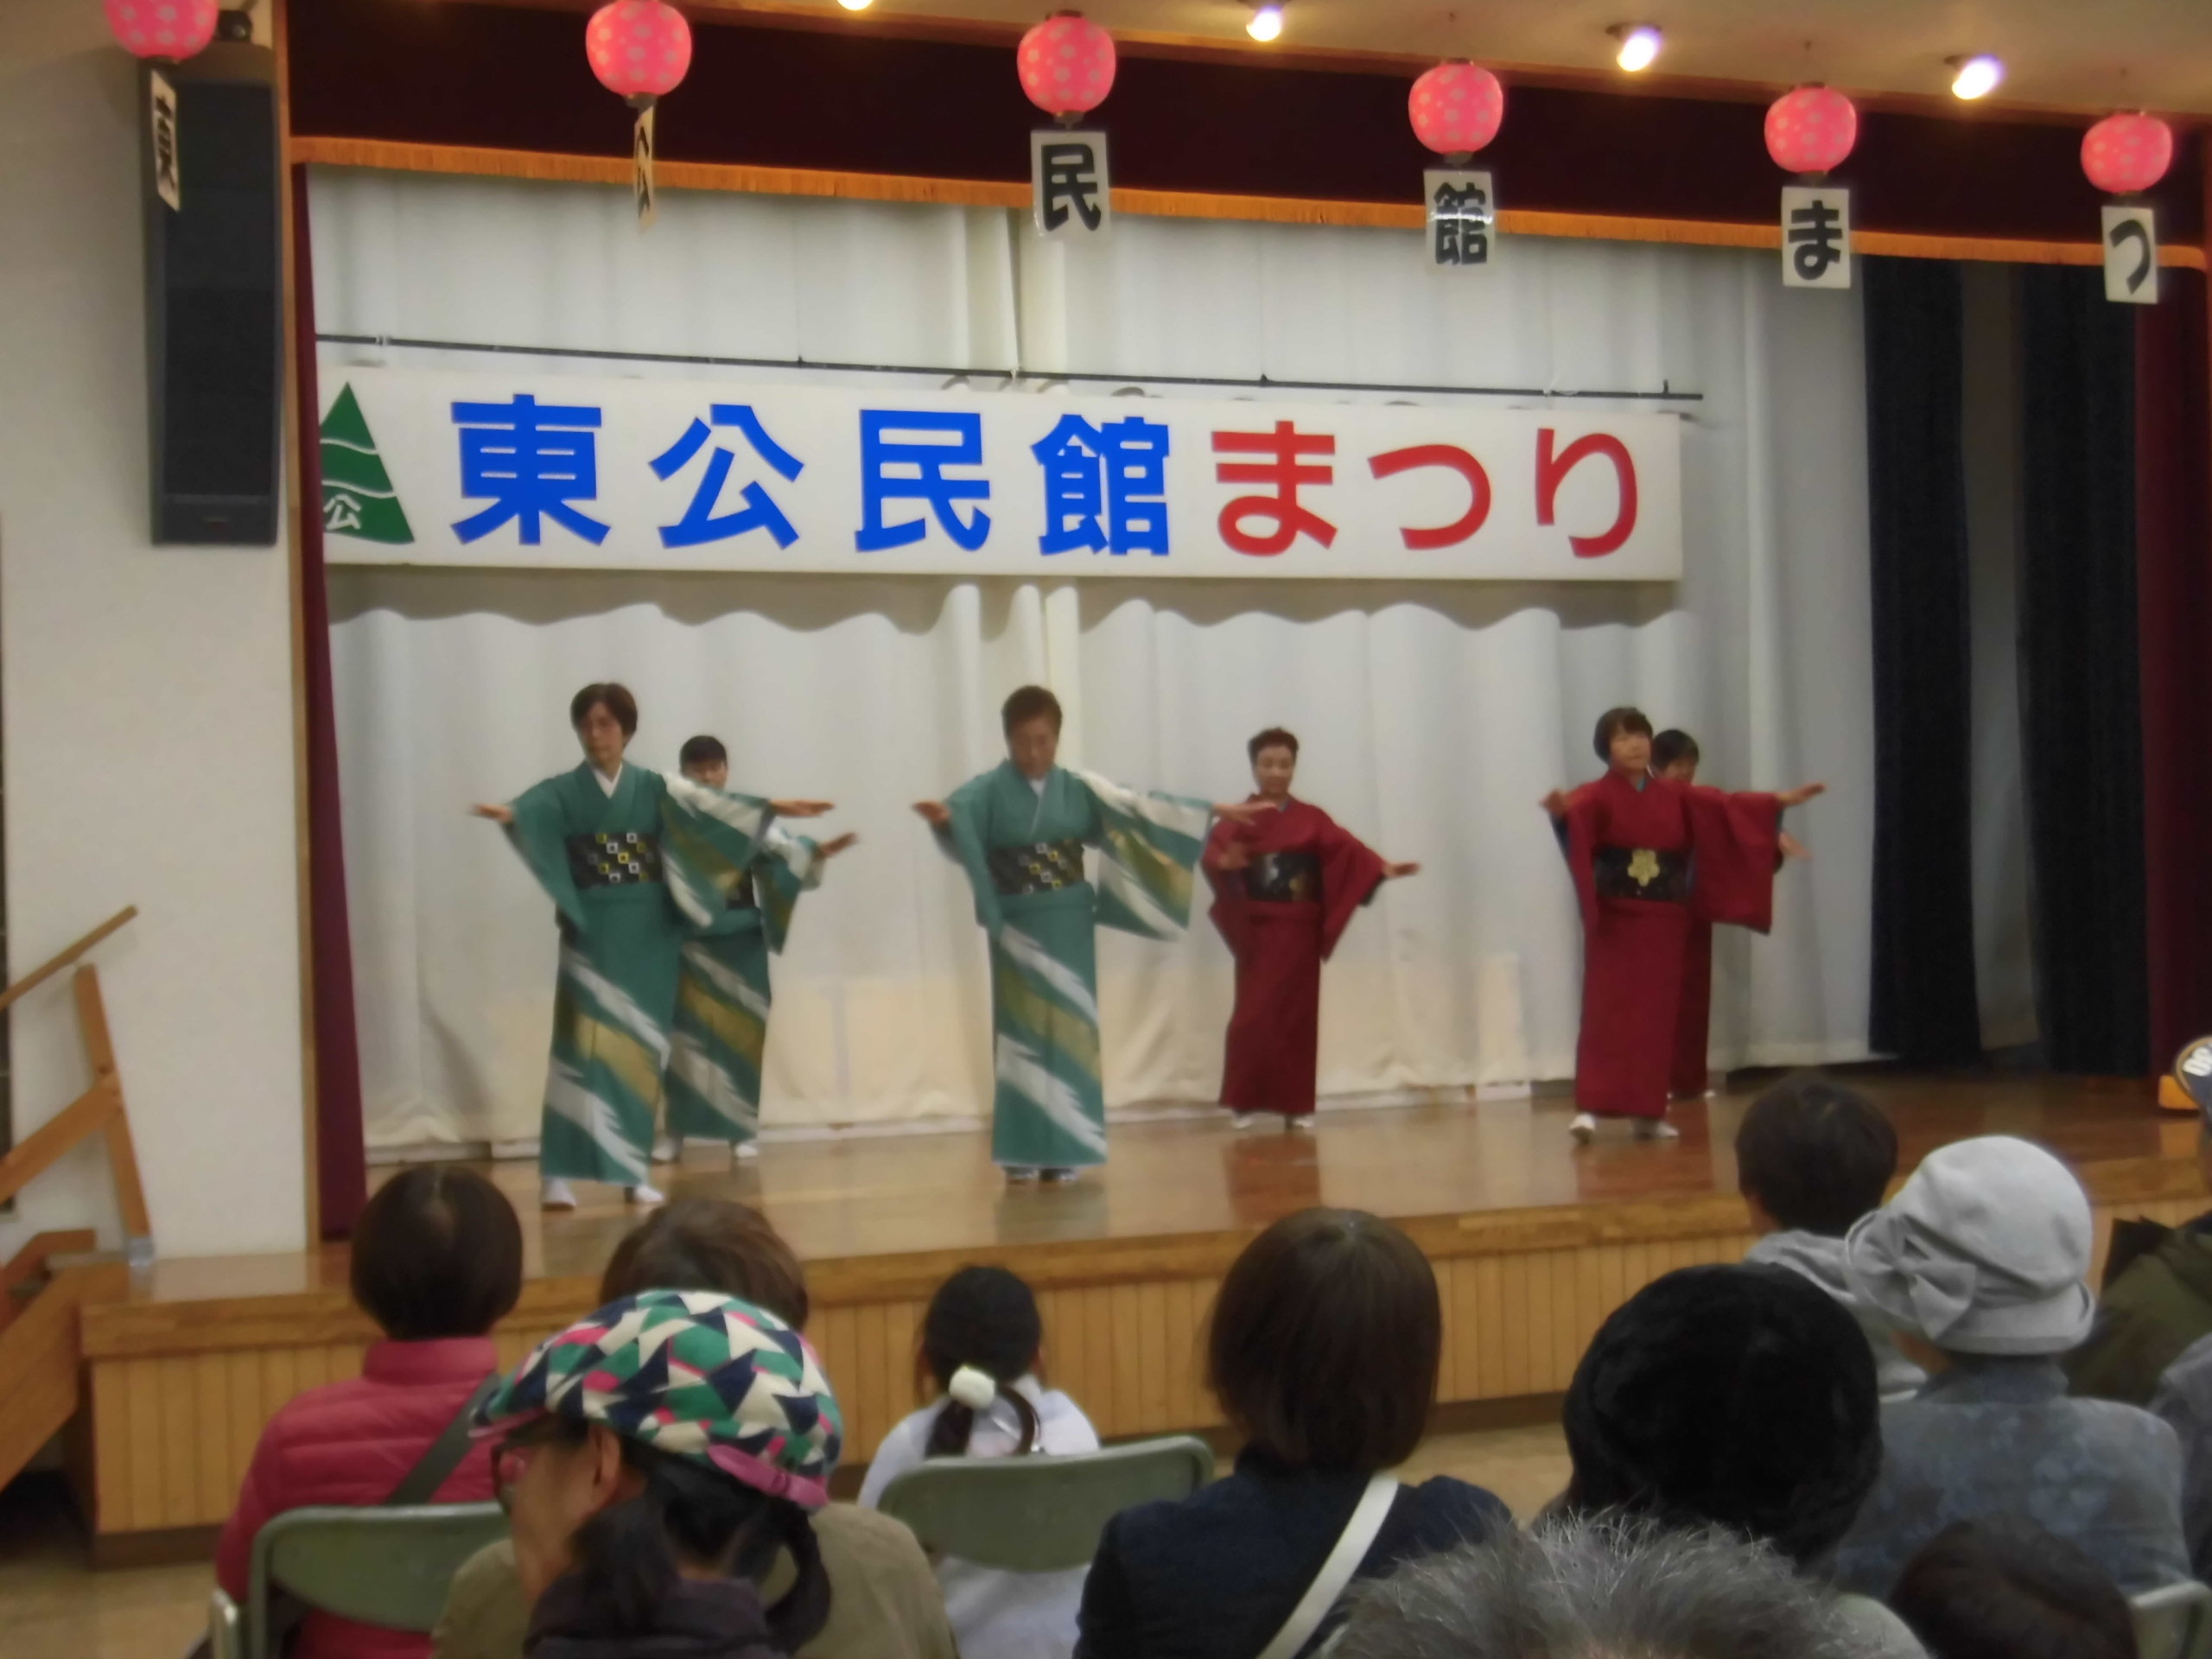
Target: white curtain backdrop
point(1433, 715)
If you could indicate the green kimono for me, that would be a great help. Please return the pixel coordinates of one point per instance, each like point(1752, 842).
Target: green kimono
point(626, 873)
point(723, 999)
point(1022, 850)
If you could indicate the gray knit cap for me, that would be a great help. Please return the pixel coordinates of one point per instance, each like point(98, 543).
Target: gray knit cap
point(1985, 1251)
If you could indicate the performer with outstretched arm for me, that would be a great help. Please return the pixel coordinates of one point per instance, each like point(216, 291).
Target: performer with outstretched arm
point(1647, 854)
point(629, 858)
point(1020, 832)
point(1285, 887)
point(723, 996)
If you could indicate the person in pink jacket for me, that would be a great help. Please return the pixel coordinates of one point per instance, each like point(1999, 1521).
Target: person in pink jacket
point(437, 1261)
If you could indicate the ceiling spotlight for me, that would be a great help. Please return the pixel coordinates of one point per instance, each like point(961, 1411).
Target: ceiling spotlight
point(1267, 22)
point(855, 5)
point(1639, 45)
point(1975, 75)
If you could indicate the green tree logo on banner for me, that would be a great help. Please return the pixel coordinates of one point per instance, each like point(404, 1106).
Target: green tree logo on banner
point(358, 499)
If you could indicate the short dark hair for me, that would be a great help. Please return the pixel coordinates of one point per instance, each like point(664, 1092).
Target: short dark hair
point(2001, 1588)
point(1815, 1154)
point(1612, 723)
point(1324, 1340)
point(1672, 745)
point(709, 1245)
point(436, 1252)
point(702, 750)
point(1028, 704)
point(987, 1318)
point(1735, 1396)
point(615, 699)
point(1274, 738)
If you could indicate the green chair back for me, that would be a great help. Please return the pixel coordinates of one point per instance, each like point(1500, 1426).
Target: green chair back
point(1040, 1514)
point(2173, 1621)
point(388, 1567)
point(226, 1629)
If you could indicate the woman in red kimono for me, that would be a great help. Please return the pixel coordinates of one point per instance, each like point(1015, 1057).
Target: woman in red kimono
point(1649, 856)
point(1284, 886)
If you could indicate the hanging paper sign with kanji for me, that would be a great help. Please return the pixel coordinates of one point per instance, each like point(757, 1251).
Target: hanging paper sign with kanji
point(1815, 236)
point(1462, 218)
point(434, 467)
point(1070, 191)
point(161, 133)
point(2131, 238)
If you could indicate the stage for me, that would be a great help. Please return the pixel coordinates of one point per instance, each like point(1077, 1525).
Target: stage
point(1533, 1240)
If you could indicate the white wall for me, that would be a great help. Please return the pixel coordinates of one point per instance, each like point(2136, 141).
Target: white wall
point(148, 714)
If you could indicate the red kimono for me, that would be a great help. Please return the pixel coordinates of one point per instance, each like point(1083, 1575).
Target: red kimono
point(1282, 915)
point(1646, 863)
point(1693, 1026)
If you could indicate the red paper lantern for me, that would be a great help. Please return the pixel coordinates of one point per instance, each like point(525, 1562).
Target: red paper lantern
point(1066, 64)
point(1456, 107)
point(638, 48)
point(162, 28)
point(2123, 153)
point(1811, 130)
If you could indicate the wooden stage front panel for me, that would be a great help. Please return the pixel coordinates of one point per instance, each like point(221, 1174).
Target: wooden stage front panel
point(1533, 1243)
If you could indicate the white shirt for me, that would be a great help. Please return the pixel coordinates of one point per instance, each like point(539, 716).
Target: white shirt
point(996, 1614)
point(608, 786)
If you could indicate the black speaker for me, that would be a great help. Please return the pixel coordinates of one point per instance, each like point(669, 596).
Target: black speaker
point(214, 297)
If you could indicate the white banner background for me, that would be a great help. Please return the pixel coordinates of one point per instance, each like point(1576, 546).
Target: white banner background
point(1628, 481)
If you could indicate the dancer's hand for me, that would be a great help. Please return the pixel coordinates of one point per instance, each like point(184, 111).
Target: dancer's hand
point(802, 809)
point(1242, 811)
point(1793, 847)
point(1802, 794)
point(1399, 872)
point(936, 814)
point(1555, 804)
point(1234, 855)
point(497, 814)
point(831, 849)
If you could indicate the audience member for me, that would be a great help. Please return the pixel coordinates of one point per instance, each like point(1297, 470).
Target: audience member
point(884, 1603)
point(1980, 1261)
point(1322, 1353)
point(654, 1458)
point(2157, 1300)
point(2001, 1588)
point(1739, 1397)
point(2184, 1402)
point(1811, 1157)
point(981, 1344)
point(1598, 1589)
point(437, 1261)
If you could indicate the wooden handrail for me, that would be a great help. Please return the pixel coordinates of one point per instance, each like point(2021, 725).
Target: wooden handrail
point(48, 969)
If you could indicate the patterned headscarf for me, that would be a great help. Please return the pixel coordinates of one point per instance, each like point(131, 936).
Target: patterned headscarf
point(695, 1373)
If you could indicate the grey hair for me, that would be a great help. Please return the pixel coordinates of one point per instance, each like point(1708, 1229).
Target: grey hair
point(1606, 1587)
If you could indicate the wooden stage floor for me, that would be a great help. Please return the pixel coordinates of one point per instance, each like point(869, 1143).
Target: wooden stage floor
point(1535, 1241)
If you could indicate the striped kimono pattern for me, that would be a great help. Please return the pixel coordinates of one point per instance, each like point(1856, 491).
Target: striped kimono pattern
point(628, 872)
point(1042, 916)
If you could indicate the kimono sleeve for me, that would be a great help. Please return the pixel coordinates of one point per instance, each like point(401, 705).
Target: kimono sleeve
point(539, 833)
point(1149, 844)
point(1230, 913)
point(786, 865)
point(1735, 840)
point(970, 805)
point(707, 839)
point(1350, 872)
point(1585, 829)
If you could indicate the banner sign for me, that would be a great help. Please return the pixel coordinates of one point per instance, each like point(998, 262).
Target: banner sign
point(1815, 236)
point(2131, 237)
point(433, 467)
point(1072, 193)
point(1462, 218)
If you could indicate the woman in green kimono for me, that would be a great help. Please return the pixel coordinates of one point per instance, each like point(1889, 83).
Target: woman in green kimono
point(628, 857)
point(722, 997)
point(1020, 832)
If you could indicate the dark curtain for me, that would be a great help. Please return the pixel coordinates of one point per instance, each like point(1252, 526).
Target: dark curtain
point(2081, 693)
point(2173, 569)
point(341, 1169)
point(1925, 1008)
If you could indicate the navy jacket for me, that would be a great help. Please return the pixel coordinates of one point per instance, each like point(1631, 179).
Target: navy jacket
point(1216, 1576)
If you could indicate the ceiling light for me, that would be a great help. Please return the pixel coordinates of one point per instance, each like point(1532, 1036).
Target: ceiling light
point(855, 5)
point(1639, 45)
point(1976, 75)
point(1265, 24)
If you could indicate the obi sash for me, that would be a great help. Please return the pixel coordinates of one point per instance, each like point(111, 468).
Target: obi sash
point(622, 859)
point(1283, 878)
point(1042, 866)
point(1642, 873)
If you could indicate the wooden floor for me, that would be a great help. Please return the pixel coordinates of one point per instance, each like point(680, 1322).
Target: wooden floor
point(1535, 1241)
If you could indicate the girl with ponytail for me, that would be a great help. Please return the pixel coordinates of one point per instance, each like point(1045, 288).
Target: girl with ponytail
point(981, 1353)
